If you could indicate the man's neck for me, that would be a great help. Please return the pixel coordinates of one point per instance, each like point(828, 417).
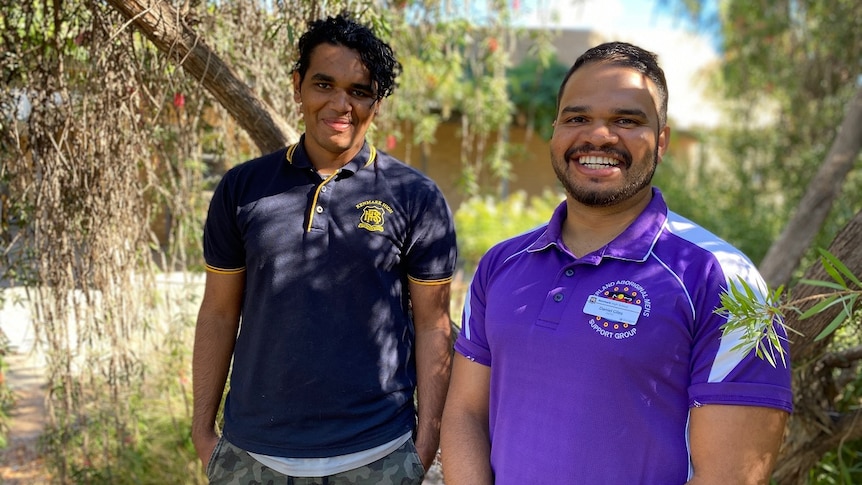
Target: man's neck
point(588, 228)
point(325, 162)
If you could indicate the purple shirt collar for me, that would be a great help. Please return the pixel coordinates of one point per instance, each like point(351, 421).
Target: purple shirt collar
point(634, 244)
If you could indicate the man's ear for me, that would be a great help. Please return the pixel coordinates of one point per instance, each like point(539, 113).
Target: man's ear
point(377, 105)
point(296, 82)
point(663, 141)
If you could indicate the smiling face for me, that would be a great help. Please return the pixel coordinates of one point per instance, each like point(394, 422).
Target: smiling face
point(607, 137)
point(338, 104)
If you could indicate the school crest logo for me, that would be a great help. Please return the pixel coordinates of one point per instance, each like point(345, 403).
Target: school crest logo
point(617, 308)
point(373, 215)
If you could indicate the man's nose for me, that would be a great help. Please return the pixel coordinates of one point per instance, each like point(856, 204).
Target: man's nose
point(601, 134)
point(340, 100)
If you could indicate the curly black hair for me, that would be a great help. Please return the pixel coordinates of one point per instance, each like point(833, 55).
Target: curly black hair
point(342, 29)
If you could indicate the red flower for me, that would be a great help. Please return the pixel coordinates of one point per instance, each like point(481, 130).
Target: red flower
point(391, 141)
point(179, 100)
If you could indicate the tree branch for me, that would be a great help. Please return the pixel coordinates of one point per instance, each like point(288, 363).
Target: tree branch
point(845, 248)
point(848, 427)
point(163, 26)
point(792, 468)
point(844, 358)
point(786, 252)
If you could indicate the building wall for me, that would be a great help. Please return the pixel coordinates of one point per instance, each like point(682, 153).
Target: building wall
point(531, 170)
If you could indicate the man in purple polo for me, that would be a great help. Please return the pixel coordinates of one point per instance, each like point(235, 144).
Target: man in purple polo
point(590, 351)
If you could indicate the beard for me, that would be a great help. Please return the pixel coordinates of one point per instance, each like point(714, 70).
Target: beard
point(634, 181)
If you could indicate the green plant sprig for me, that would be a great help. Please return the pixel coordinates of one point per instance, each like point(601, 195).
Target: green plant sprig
point(844, 294)
point(759, 320)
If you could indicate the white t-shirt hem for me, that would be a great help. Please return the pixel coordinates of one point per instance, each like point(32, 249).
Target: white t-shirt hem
point(322, 467)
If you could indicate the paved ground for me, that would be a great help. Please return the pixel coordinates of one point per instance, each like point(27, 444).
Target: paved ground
point(19, 461)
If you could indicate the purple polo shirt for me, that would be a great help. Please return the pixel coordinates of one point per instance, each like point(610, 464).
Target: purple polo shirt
point(596, 361)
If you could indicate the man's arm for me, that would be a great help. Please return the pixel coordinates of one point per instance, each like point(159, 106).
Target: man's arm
point(734, 444)
point(466, 443)
point(215, 336)
point(433, 363)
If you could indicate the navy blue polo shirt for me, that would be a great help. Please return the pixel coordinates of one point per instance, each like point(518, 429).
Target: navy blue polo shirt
point(324, 363)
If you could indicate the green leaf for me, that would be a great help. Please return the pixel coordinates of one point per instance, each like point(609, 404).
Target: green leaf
point(837, 264)
point(836, 322)
point(763, 354)
point(833, 272)
point(846, 313)
point(819, 307)
point(758, 321)
point(776, 295)
point(823, 284)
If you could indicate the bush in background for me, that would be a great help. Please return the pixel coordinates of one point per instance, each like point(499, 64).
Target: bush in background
point(483, 221)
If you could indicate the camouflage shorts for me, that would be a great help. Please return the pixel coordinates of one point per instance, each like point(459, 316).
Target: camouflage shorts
point(230, 465)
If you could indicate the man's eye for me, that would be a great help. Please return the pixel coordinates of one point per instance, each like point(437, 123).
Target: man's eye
point(361, 94)
point(322, 85)
point(627, 122)
point(575, 119)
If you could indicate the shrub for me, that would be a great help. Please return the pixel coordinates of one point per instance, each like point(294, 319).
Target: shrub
point(483, 221)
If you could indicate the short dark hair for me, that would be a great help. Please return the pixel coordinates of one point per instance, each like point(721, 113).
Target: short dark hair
point(342, 29)
point(625, 55)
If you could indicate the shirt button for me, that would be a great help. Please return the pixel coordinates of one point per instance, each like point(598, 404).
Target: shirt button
point(558, 297)
point(323, 189)
point(570, 272)
point(319, 209)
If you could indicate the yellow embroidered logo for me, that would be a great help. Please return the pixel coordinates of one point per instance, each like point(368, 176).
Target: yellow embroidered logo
point(373, 212)
point(371, 219)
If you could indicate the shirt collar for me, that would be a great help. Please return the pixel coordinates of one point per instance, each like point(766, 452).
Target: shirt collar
point(634, 244)
point(296, 156)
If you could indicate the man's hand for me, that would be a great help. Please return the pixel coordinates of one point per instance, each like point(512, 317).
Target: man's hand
point(426, 450)
point(205, 443)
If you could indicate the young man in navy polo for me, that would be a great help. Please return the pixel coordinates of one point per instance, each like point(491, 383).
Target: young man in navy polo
point(591, 352)
point(328, 273)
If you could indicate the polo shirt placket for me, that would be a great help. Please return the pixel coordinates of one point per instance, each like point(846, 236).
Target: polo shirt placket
point(319, 215)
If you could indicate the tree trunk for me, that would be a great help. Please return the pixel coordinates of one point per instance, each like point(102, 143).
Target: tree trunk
point(786, 252)
point(164, 26)
point(816, 427)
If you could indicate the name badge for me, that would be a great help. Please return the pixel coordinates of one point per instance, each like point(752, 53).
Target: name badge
point(613, 310)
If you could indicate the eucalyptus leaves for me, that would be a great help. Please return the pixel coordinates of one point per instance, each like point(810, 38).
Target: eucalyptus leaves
point(759, 320)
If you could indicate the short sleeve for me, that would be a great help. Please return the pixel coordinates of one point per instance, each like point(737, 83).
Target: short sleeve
point(431, 252)
point(472, 342)
point(726, 372)
point(222, 240)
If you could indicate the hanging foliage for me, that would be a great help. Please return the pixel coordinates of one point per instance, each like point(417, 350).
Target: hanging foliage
point(108, 145)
